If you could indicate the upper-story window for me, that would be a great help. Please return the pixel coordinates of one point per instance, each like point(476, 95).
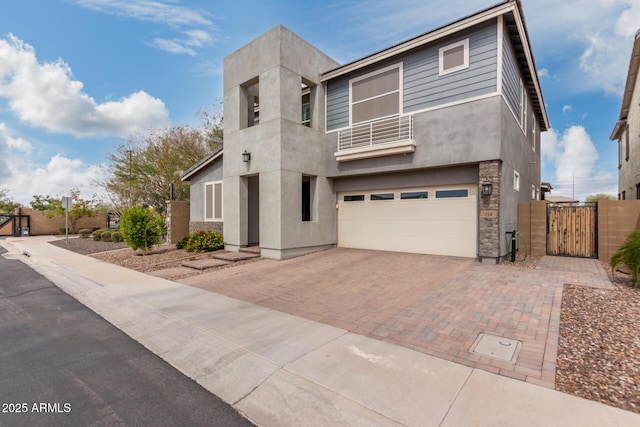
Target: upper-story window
point(454, 57)
point(250, 90)
point(626, 144)
point(524, 102)
point(376, 95)
point(308, 97)
point(533, 134)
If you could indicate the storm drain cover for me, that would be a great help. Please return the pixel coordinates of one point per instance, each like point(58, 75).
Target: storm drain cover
point(496, 347)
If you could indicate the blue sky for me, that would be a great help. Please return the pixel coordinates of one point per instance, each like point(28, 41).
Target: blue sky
point(77, 77)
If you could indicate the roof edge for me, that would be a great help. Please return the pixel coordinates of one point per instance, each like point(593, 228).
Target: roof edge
point(428, 37)
point(204, 162)
point(632, 77)
point(619, 128)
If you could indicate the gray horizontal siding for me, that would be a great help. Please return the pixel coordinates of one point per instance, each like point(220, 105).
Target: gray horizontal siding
point(422, 86)
point(212, 172)
point(510, 77)
point(337, 104)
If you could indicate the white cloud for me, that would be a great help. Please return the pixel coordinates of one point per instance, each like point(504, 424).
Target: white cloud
point(164, 12)
point(55, 178)
point(572, 158)
point(9, 142)
point(567, 108)
point(193, 39)
point(46, 95)
point(189, 21)
point(629, 21)
point(596, 39)
point(585, 43)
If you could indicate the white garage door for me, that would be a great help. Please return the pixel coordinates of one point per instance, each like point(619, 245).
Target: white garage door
point(428, 220)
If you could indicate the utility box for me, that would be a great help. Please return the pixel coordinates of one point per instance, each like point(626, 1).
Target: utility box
point(25, 232)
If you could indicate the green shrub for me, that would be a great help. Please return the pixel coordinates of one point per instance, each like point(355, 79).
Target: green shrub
point(629, 254)
point(182, 243)
point(204, 241)
point(116, 236)
point(94, 228)
point(62, 230)
point(141, 228)
point(96, 235)
point(106, 235)
point(84, 232)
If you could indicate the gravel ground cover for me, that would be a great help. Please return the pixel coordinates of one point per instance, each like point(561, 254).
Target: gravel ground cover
point(599, 343)
point(87, 246)
point(162, 256)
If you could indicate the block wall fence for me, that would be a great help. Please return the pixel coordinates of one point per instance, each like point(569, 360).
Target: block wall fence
point(615, 220)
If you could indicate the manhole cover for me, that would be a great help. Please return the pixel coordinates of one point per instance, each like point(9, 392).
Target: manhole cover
point(496, 347)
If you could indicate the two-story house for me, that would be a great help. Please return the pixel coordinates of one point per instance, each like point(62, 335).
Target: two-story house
point(426, 146)
point(627, 131)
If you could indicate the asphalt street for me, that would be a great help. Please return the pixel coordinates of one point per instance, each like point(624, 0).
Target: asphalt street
point(61, 364)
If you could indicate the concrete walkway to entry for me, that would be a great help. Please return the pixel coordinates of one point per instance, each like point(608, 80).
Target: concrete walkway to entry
point(433, 304)
point(285, 370)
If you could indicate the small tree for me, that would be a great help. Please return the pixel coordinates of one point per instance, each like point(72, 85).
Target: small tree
point(141, 228)
point(629, 254)
point(7, 206)
point(80, 208)
point(45, 203)
point(600, 196)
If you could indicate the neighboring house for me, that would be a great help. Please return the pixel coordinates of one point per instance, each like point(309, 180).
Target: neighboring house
point(627, 131)
point(427, 146)
point(556, 200)
point(205, 187)
point(545, 188)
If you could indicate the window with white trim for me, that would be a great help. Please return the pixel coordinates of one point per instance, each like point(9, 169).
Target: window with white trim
point(524, 102)
point(454, 57)
point(533, 134)
point(516, 181)
point(213, 201)
point(376, 95)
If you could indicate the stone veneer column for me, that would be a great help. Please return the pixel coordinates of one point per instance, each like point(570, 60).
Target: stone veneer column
point(489, 215)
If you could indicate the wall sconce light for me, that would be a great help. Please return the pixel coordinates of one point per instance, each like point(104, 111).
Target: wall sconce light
point(246, 156)
point(487, 188)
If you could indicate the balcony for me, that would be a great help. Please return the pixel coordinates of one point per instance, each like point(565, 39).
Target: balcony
point(385, 137)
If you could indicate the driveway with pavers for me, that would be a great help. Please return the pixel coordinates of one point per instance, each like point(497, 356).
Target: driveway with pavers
point(433, 304)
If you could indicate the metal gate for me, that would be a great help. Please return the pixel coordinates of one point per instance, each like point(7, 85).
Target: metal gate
point(12, 225)
point(572, 230)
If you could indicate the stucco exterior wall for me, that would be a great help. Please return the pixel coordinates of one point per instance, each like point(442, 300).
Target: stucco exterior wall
point(517, 154)
point(463, 174)
point(282, 149)
point(460, 134)
point(629, 172)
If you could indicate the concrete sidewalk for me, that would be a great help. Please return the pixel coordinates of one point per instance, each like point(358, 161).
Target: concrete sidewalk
point(280, 369)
